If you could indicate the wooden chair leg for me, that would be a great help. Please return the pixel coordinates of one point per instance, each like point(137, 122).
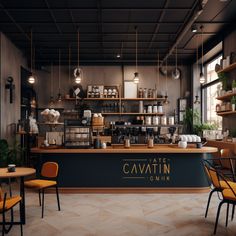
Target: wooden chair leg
point(39, 197)
point(21, 225)
point(227, 215)
point(58, 201)
point(217, 216)
point(208, 202)
point(3, 224)
point(42, 202)
point(233, 209)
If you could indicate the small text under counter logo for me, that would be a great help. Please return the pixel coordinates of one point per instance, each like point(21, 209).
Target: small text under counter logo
point(151, 169)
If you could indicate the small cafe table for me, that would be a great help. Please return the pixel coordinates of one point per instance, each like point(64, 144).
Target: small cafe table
point(21, 172)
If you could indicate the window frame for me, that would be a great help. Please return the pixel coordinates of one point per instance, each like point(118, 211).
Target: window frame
point(207, 85)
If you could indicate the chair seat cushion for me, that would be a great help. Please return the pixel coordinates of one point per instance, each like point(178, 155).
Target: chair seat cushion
point(10, 202)
point(228, 194)
point(224, 185)
point(40, 183)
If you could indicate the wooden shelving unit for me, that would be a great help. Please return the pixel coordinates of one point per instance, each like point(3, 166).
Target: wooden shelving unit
point(228, 68)
point(225, 113)
point(132, 113)
point(116, 99)
point(52, 124)
point(226, 97)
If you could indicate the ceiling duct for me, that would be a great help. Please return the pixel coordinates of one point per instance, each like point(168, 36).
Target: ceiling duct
point(196, 12)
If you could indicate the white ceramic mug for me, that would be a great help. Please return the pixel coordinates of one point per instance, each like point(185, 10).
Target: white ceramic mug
point(182, 144)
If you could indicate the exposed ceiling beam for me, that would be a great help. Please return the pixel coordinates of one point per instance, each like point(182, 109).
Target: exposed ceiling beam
point(157, 27)
point(95, 9)
point(15, 23)
point(197, 10)
point(52, 16)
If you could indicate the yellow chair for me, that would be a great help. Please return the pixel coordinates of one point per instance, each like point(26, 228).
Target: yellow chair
point(218, 185)
point(229, 197)
point(7, 204)
point(49, 174)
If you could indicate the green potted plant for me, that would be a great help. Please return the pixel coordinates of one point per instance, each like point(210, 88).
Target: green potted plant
point(191, 117)
point(234, 86)
point(10, 154)
point(223, 79)
point(233, 102)
point(198, 128)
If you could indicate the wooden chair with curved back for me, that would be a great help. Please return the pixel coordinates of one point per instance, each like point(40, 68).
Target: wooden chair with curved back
point(7, 204)
point(215, 182)
point(49, 174)
point(229, 197)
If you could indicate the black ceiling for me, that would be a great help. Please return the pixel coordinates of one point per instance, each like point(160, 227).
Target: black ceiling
point(107, 27)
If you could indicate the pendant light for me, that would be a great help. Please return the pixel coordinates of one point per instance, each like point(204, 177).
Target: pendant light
point(166, 101)
point(69, 65)
point(78, 71)
point(197, 101)
point(202, 78)
point(136, 75)
point(51, 103)
point(158, 68)
point(31, 78)
point(176, 72)
point(59, 96)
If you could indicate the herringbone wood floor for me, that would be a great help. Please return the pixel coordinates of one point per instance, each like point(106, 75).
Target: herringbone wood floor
point(123, 214)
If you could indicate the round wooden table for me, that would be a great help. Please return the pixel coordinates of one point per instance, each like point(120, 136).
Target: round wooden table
point(20, 172)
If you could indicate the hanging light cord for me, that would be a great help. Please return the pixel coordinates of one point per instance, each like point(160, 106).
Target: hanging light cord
point(158, 66)
point(197, 53)
point(176, 58)
point(202, 46)
point(166, 76)
point(31, 51)
point(51, 80)
point(136, 48)
point(59, 73)
point(69, 63)
point(78, 48)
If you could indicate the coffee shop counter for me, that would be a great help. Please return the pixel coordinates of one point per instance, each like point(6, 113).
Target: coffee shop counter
point(134, 169)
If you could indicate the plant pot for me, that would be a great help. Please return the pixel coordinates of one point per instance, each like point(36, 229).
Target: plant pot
point(234, 140)
point(234, 90)
point(233, 107)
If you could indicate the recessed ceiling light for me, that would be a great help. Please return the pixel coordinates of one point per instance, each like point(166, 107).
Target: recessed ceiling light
point(118, 55)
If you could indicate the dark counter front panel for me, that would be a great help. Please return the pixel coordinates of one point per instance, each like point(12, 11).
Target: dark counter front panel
point(129, 170)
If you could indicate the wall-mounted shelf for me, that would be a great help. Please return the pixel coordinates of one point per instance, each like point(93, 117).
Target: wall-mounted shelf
point(132, 113)
point(117, 99)
point(48, 123)
point(225, 113)
point(228, 68)
point(144, 125)
point(226, 97)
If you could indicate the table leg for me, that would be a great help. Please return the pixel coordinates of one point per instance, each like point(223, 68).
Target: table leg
point(22, 204)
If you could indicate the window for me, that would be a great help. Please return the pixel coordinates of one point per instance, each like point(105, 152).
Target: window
point(209, 92)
